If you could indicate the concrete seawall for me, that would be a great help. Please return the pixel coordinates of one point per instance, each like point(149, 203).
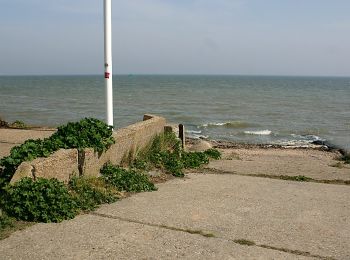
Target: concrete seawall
point(63, 164)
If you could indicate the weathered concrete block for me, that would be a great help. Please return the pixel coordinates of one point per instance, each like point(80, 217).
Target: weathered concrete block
point(145, 131)
point(127, 141)
point(174, 128)
point(24, 170)
point(61, 165)
point(93, 161)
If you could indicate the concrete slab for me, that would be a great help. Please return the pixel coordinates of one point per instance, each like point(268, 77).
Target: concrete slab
point(307, 217)
point(18, 136)
point(208, 216)
point(13, 137)
point(5, 149)
point(319, 165)
point(94, 237)
point(62, 165)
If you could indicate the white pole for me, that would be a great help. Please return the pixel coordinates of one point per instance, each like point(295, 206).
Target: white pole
point(108, 60)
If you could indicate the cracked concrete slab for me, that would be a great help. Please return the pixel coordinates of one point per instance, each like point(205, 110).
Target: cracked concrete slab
point(319, 165)
point(300, 218)
point(285, 219)
point(94, 237)
point(308, 217)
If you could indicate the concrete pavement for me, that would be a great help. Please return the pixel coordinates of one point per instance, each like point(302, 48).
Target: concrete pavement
point(204, 216)
point(207, 216)
point(13, 137)
point(316, 164)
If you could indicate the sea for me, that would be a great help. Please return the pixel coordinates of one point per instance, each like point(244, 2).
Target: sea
point(244, 109)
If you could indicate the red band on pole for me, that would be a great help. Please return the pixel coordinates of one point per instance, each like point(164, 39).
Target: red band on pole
point(107, 75)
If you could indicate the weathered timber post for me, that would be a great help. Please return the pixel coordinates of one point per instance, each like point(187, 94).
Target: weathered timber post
point(182, 135)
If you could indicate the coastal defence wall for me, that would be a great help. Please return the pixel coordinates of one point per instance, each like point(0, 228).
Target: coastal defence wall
point(66, 163)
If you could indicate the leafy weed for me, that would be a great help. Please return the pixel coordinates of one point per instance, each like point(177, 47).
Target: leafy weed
point(126, 180)
point(89, 192)
point(43, 200)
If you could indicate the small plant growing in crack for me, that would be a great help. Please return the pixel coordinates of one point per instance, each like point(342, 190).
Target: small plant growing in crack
point(244, 242)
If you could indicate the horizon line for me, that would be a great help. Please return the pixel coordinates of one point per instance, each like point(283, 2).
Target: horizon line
point(176, 74)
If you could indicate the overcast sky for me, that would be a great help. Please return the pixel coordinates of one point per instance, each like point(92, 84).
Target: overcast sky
point(264, 37)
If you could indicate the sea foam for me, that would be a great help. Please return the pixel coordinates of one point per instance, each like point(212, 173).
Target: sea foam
point(230, 124)
point(193, 132)
point(261, 132)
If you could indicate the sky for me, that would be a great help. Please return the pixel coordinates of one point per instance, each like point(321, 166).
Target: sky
point(238, 37)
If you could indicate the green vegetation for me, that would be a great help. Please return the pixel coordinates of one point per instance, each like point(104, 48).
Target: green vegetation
point(213, 153)
point(194, 159)
point(9, 225)
point(41, 200)
point(3, 123)
point(233, 156)
point(5, 221)
point(296, 178)
point(87, 133)
point(126, 180)
point(19, 124)
point(16, 124)
point(346, 158)
point(90, 192)
point(166, 153)
point(244, 242)
point(339, 165)
point(49, 200)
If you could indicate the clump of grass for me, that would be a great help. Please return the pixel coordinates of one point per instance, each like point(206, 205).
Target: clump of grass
point(5, 221)
point(194, 160)
point(213, 153)
point(233, 155)
point(89, 192)
point(244, 242)
point(19, 124)
point(126, 180)
point(345, 158)
point(9, 225)
point(296, 178)
point(208, 235)
point(3, 123)
point(166, 153)
point(339, 165)
point(140, 164)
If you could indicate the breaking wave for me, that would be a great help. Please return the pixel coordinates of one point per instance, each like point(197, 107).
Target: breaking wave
point(231, 124)
point(193, 132)
point(261, 132)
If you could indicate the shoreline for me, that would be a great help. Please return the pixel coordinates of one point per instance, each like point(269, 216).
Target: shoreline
point(223, 144)
point(320, 144)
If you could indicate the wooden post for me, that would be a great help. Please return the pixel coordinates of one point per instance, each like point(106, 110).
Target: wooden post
point(182, 135)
